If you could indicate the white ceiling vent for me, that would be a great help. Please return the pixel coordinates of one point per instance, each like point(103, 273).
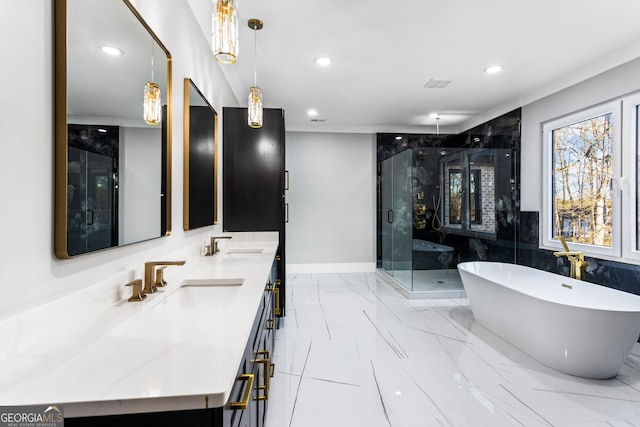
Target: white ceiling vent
point(318, 120)
point(437, 83)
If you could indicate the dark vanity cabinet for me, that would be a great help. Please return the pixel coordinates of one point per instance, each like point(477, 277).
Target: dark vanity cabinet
point(247, 404)
point(254, 179)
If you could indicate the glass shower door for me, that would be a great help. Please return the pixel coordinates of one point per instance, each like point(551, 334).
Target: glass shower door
point(92, 223)
point(386, 212)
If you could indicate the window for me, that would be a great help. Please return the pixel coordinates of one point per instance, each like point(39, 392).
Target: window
point(582, 173)
point(469, 191)
point(455, 197)
point(590, 194)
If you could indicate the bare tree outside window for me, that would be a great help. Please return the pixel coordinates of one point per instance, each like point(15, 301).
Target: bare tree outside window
point(582, 172)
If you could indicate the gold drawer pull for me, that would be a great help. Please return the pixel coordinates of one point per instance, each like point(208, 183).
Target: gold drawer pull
point(266, 370)
point(270, 323)
point(276, 292)
point(273, 370)
point(247, 392)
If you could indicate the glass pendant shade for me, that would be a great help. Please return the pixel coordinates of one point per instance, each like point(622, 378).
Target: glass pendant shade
point(152, 104)
point(255, 107)
point(225, 31)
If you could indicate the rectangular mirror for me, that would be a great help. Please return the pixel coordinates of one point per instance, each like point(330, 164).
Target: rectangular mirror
point(200, 159)
point(112, 159)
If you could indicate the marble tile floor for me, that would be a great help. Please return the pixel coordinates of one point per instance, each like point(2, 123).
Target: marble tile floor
point(354, 352)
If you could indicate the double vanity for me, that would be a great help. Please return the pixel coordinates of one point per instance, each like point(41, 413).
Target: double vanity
point(198, 349)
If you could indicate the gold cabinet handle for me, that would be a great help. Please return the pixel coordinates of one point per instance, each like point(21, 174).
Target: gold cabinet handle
point(276, 292)
point(270, 324)
point(267, 374)
point(273, 370)
point(247, 392)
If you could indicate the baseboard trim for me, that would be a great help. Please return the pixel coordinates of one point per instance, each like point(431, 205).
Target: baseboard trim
point(364, 267)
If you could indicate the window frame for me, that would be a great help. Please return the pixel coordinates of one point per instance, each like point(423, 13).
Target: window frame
point(630, 175)
point(546, 221)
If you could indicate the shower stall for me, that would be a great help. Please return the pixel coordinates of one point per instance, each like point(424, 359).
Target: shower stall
point(441, 206)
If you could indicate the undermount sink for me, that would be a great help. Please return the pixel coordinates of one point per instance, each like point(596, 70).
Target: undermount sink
point(200, 293)
point(242, 253)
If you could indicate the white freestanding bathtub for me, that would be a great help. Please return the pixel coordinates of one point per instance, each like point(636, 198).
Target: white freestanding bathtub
point(572, 326)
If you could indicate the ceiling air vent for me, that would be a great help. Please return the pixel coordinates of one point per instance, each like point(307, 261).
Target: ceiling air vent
point(437, 83)
point(318, 120)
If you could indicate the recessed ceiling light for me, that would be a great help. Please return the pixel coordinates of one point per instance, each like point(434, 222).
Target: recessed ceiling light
point(111, 50)
point(492, 69)
point(312, 112)
point(323, 60)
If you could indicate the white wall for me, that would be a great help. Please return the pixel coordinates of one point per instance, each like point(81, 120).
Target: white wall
point(608, 85)
point(29, 271)
point(332, 202)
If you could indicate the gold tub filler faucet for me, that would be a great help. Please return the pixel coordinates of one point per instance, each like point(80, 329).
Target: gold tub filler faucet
point(153, 278)
point(576, 260)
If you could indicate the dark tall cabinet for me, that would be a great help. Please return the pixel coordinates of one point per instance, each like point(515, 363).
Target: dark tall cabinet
point(254, 179)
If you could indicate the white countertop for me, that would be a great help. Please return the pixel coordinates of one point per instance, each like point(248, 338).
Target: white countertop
point(137, 356)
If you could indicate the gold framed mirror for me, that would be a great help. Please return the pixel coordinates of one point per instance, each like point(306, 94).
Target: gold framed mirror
point(200, 159)
point(112, 168)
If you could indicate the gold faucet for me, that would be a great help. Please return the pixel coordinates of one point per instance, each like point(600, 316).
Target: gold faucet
point(212, 248)
point(150, 285)
point(576, 260)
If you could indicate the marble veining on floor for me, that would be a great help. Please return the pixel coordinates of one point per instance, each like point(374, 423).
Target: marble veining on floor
point(354, 352)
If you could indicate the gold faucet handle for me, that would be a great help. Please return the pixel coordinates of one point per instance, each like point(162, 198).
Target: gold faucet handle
point(160, 282)
point(137, 294)
point(207, 250)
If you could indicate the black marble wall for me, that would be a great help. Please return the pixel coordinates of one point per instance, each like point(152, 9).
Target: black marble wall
point(617, 275)
point(503, 133)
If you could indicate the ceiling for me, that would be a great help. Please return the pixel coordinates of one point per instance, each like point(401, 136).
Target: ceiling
point(385, 52)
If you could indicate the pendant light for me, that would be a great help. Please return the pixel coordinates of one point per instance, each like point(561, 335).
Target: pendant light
point(255, 93)
point(225, 31)
point(152, 99)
